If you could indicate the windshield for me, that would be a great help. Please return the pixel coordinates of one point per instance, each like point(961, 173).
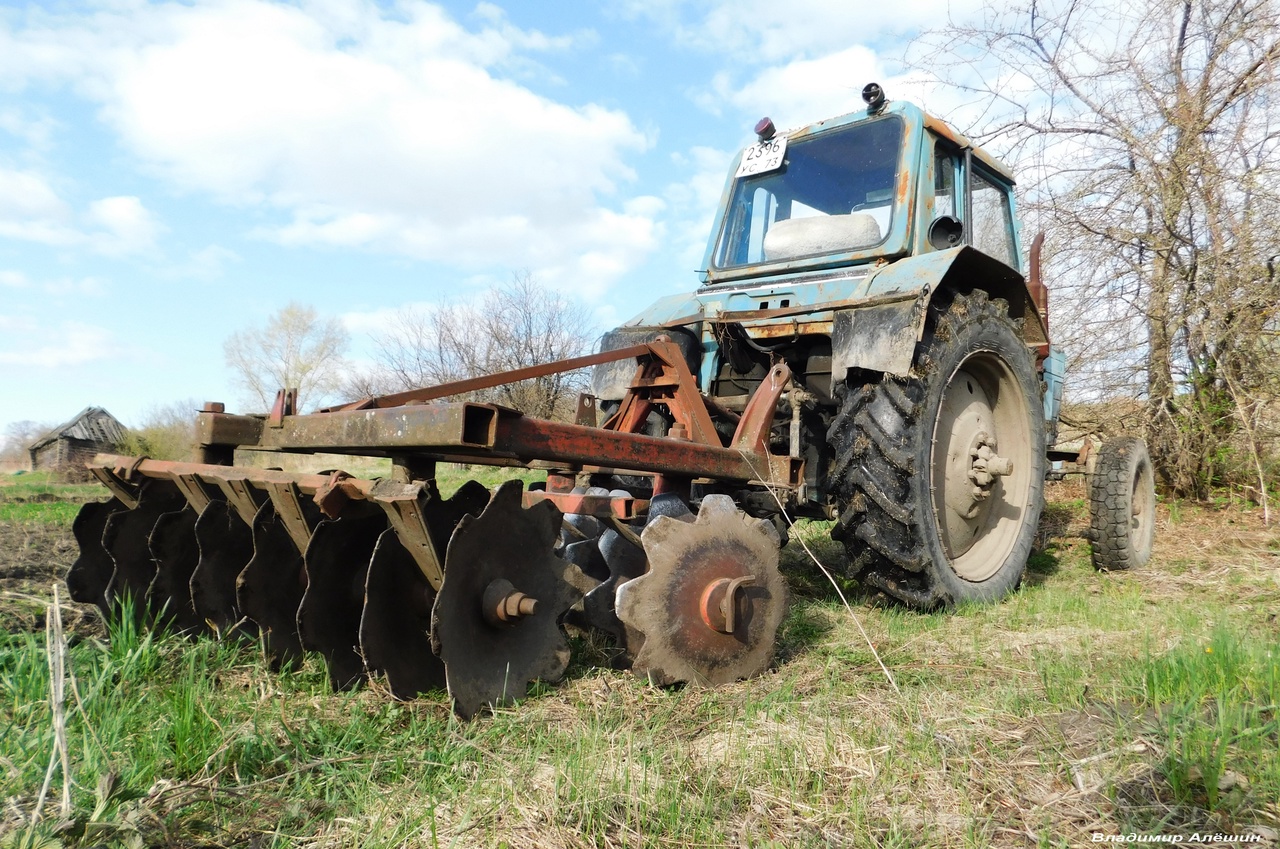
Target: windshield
point(833, 194)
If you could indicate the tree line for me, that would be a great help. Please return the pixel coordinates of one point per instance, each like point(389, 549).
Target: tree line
point(1146, 138)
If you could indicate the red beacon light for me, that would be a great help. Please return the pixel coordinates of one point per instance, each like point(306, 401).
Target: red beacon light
point(765, 129)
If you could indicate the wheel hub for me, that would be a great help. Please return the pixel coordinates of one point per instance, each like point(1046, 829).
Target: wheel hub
point(978, 487)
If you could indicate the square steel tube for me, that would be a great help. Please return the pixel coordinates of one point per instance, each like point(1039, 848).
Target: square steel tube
point(457, 425)
point(465, 429)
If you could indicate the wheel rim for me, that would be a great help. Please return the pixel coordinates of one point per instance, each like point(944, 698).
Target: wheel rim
point(1142, 521)
point(981, 469)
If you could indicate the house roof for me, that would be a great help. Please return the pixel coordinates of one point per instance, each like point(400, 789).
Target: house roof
point(92, 424)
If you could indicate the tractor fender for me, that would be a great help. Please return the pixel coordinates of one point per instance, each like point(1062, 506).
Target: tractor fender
point(882, 335)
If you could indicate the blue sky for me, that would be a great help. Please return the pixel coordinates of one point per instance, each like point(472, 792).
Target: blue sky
point(172, 173)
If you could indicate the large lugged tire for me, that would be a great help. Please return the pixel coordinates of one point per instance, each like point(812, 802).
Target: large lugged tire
point(1122, 505)
point(940, 475)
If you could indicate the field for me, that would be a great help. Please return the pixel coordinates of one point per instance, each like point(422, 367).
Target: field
point(1143, 704)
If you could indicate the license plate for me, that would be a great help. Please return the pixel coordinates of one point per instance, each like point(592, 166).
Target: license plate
point(762, 157)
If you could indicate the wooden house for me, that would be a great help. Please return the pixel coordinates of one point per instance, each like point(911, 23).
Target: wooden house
point(67, 448)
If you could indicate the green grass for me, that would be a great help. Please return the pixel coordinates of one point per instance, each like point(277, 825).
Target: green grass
point(43, 497)
point(1083, 703)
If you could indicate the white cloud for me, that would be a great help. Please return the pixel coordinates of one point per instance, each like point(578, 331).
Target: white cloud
point(806, 90)
point(389, 130)
point(27, 195)
point(32, 211)
point(126, 226)
point(764, 32)
point(208, 263)
point(72, 343)
point(14, 279)
point(35, 131)
point(697, 198)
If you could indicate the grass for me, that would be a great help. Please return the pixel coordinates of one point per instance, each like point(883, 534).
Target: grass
point(1143, 702)
point(42, 497)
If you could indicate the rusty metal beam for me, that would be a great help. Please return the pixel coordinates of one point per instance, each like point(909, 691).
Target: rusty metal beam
point(483, 433)
point(603, 506)
point(752, 434)
point(479, 432)
point(490, 381)
point(528, 439)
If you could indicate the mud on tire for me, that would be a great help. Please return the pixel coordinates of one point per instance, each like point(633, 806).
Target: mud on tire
point(938, 526)
point(1122, 501)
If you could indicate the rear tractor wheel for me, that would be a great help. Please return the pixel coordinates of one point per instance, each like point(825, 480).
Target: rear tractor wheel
point(940, 475)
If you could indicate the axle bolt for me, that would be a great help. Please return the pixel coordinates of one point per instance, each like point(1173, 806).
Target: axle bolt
point(719, 602)
point(502, 604)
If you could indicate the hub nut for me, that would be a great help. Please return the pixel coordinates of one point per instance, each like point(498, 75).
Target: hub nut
point(502, 604)
point(719, 603)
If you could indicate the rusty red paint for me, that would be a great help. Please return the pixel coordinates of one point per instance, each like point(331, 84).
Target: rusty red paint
point(462, 387)
point(603, 506)
point(752, 434)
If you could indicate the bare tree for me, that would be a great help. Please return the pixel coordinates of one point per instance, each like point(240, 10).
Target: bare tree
point(295, 349)
point(15, 439)
point(1147, 135)
point(513, 326)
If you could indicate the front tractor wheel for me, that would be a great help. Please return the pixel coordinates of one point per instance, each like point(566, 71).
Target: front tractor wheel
point(1122, 505)
point(940, 475)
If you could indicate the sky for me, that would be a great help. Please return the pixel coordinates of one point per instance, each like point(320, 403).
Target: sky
point(171, 173)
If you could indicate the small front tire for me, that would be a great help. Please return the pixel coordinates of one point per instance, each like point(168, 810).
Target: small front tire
point(1122, 505)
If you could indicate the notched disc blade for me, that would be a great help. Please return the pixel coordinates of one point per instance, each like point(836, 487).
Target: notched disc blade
point(336, 563)
point(270, 588)
point(90, 574)
point(395, 624)
point(126, 539)
point(225, 544)
point(668, 604)
point(176, 553)
point(625, 561)
point(494, 663)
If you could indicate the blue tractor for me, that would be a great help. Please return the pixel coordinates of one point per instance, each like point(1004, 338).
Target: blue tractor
point(866, 347)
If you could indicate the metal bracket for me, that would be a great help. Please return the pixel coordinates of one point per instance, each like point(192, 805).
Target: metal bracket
point(116, 479)
point(286, 404)
point(752, 433)
point(284, 497)
point(586, 414)
point(240, 496)
point(401, 504)
point(193, 490)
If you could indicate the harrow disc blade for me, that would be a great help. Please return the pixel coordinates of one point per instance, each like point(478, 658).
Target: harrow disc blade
point(336, 563)
point(270, 588)
point(496, 620)
point(625, 561)
point(90, 574)
point(710, 606)
point(225, 543)
point(395, 624)
point(175, 552)
point(126, 540)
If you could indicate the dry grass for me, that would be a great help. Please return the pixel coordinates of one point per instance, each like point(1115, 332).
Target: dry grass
point(1013, 726)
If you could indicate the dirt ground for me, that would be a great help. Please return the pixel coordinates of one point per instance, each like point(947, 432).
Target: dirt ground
point(35, 555)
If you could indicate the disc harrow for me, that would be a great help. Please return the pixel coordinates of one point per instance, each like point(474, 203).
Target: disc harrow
point(475, 594)
point(843, 360)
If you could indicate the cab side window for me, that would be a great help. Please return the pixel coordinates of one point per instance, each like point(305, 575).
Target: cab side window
point(944, 184)
point(992, 225)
